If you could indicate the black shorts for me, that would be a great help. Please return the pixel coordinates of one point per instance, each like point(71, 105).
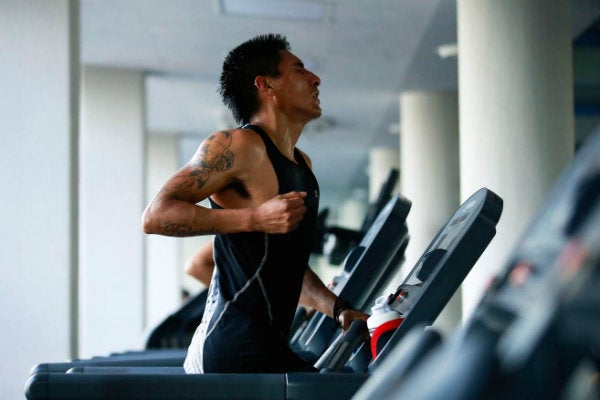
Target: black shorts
point(239, 344)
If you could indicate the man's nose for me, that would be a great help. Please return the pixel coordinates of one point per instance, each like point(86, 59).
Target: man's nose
point(315, 79)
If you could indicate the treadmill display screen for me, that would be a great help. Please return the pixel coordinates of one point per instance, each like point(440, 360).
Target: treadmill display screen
point(410, 290)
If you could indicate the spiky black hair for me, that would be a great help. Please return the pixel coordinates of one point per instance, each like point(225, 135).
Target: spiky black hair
point(257, 56)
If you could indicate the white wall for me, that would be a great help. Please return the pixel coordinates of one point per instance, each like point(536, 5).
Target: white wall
point(163, 259)
point(112, 200)
point(38, 135)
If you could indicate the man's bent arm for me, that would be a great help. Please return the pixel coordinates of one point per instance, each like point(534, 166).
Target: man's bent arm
point(316, 295)
point(173, 211)
point(173, 217)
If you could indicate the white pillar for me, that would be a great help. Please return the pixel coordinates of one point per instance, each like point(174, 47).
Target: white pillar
point(164, 264)
point(516, 113)
point(352, 211)
point(381, 161)
point(112, 200)
point(38, 175)
point(429, 173)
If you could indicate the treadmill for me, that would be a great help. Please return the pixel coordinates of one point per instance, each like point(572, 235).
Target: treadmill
point(469, 230)
point(419, 299)
point(368, 269)
point(340, 241)
point(536, 332)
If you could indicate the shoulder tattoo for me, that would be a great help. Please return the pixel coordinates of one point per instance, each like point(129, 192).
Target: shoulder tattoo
point(215, 154)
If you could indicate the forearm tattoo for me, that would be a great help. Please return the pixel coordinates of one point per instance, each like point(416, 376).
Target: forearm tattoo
point(215, 155)
point(183, 230)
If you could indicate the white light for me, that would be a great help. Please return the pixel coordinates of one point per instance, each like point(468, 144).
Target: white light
point(308, 11)
point(447, 50)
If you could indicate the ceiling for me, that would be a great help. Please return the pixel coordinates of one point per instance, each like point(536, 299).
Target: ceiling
point(365, 52)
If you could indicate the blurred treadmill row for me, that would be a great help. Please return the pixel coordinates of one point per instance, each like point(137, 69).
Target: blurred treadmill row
point(368, 266)
point(367, 270)
point(536, 332)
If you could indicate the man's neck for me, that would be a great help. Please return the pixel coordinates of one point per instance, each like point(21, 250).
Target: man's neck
point(283, 133)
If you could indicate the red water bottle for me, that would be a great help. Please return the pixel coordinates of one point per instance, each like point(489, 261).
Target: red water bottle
point(382, 323)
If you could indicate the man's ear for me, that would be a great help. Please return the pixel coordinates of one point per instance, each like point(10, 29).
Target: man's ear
point(262, 83)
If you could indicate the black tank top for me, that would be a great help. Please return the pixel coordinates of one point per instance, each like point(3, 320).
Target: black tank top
point(261, 274)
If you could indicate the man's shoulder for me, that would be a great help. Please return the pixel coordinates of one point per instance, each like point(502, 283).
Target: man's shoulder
point(234, 138)
point(245, 144)
point(241, 135)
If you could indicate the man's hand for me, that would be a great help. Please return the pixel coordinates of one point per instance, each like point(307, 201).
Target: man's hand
point(281, 214)
point(349, 315)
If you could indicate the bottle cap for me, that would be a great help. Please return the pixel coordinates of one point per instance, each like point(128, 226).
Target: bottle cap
point(381, 313)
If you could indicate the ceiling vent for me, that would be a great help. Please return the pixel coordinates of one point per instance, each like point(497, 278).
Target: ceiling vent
point(277, 9)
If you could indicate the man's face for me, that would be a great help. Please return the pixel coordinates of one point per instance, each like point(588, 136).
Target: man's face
point(296, 88)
